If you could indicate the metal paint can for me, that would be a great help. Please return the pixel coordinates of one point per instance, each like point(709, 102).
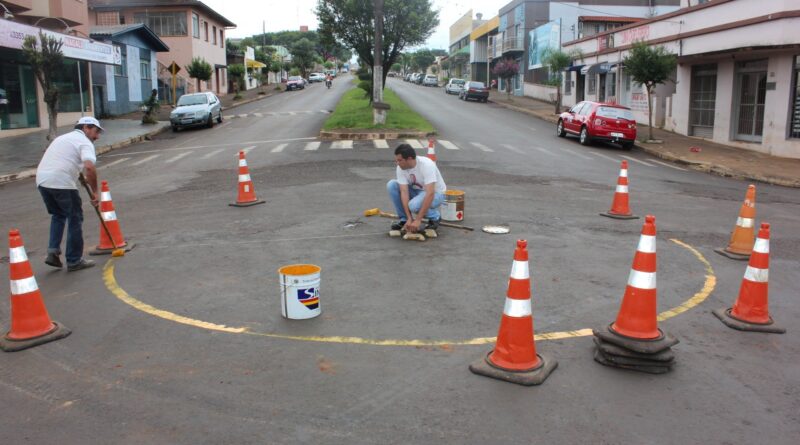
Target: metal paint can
point(300, 291)
point(453, 206)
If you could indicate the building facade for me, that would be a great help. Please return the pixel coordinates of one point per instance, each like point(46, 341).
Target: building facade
point(479, 57)
point(459, 51)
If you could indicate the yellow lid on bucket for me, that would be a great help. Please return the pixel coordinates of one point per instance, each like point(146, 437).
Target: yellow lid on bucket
point(453, 192)
point(299, 269)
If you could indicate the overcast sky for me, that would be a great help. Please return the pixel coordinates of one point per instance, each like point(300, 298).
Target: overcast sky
point(281, 15)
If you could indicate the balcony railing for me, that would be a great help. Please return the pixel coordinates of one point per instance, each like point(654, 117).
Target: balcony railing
point(513, 44)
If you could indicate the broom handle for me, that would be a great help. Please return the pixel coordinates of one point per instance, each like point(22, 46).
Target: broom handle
point(441, 223)
point(97, 210)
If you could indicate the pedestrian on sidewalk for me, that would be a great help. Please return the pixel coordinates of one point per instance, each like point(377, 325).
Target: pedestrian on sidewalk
point(419, 189)
point(56, 177)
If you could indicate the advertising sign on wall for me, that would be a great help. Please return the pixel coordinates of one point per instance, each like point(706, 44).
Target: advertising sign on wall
point(541, 38)
point(12, 35)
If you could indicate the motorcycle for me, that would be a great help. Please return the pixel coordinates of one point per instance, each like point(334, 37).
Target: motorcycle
point(328, 83)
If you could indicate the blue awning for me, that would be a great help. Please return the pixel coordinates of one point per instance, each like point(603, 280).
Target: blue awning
point(575, 67)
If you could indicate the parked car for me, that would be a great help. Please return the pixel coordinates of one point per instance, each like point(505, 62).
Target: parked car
point(408, 76)
point(332, 73)
point(316, 77)
point(419, 78)
point(474, 90)
point(295, 83)
point(454, 86)
point(195, 110)
point(430, 81)
point(599, 121)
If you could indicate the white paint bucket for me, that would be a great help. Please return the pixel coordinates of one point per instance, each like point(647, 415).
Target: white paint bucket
point(453, 205)
point(300, 291)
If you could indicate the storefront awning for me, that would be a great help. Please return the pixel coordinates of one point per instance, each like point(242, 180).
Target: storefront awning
point(255, 64)
point(575, 67)
point(597, 68)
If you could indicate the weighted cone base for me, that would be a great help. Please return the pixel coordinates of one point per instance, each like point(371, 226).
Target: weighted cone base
point(732, 255)
point(395, 233)
point(247, 204)
point(643, 346)
point(414, 237)
point(725, 317)
point(532, 377)
point(609, 349)
point(98, 251)
point(656, 369)
point(618, 216)
point(59, 331)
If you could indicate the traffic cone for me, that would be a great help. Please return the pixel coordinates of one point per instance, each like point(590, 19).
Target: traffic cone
point(247, 194)
point(619, 207)
point(109, 215)
point(743, 234)
point(751, 311)
point(30, 322)
point(514, 358)
point(432, 149)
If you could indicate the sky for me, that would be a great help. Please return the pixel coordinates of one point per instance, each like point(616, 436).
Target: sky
point(281, 15)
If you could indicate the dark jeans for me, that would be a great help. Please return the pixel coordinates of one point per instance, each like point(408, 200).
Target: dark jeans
point(65, 207)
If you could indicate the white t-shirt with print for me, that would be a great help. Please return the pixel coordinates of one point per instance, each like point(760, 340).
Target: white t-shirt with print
point(424, 173)
point(63, 161)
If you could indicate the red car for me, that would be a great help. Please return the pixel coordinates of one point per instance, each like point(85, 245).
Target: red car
point(599, 121)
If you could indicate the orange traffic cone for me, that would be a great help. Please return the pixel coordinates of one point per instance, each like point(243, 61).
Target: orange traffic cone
point(751, 311)
point(514, 358)
point(247, 194)
point(109, 215)
point(743, 234)
point(30, 323)
point(432, 149)
point(619, 207)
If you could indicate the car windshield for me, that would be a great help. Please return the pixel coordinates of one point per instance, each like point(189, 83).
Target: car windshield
point(195, 99)
point(614, 113)
point(457, 81)
point(476, 85)
point(295, 78)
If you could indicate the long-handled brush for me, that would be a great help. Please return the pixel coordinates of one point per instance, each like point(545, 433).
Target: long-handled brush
point(378, 212)
point(117, 251)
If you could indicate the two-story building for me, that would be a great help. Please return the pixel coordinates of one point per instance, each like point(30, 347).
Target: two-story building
point(460, 54)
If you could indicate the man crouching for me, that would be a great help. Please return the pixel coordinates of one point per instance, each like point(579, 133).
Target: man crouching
point(418, 190)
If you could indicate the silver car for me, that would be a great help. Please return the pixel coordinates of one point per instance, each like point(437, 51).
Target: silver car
point(196, 110)
point(454, 86)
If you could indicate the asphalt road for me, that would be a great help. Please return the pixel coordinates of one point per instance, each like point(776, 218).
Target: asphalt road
point(182, 340)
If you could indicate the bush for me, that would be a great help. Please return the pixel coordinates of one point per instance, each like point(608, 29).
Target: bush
point(366, 85)
point(365, 76)
point(445, 80)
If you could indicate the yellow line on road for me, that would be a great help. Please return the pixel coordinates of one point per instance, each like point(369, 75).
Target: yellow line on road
point(111, 284)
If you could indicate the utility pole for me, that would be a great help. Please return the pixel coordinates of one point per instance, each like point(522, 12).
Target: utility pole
point(378, 107)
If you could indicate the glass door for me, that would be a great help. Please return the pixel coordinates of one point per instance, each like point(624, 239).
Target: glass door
point(703, 100)
point(751, 81)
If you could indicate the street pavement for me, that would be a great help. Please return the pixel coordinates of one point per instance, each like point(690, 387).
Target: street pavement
point(182, 340)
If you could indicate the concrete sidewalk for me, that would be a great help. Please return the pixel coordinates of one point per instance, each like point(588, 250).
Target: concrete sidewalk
point(698, 154)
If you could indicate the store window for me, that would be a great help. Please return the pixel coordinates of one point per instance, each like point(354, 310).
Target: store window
point(163, 23)
point(195, 26)
point(568, 83)
point(18, 103)
point(122, 68)
point(794, 128)
point(73, 87)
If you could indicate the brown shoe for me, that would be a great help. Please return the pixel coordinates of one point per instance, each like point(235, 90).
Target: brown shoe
point(82, 264)
point(53, 260)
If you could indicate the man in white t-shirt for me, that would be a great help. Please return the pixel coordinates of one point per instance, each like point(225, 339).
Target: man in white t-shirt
point(418, 190)
point(57, 179)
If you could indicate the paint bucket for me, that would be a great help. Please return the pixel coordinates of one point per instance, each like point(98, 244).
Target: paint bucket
point(453, 206)
point(300, 291)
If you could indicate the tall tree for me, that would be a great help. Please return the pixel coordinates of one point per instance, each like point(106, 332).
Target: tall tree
point(423, 58)
point(236, 73)
point(350, 22)
point(46, 62)
point(304, 55)
point(506, 70)
point(649, 66)
point(556, 62)
point(199, 69)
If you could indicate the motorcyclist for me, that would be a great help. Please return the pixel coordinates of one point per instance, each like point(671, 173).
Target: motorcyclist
point(328, 80)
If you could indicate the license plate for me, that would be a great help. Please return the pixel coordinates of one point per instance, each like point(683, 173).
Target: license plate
point(616, 135)
point(186, 121)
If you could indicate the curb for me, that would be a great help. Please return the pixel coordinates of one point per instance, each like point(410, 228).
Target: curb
point(552, 119)
point(359, 136)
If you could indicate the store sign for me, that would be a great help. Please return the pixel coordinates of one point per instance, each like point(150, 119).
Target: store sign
point(634, 34)
point(12, 35)
point(540, 39)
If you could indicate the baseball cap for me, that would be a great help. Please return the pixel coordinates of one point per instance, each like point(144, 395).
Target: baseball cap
point(88, 120)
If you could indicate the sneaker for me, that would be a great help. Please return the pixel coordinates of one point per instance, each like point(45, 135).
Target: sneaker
point(398, 225)
point(53, 260)
point(82, 264)
point(433, 224)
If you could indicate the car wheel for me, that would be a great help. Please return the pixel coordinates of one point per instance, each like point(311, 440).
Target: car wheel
point(219, 118)
point(560, 129)
point(174, 128)
point(627, 145)
point(210, 122)
point(585, 139)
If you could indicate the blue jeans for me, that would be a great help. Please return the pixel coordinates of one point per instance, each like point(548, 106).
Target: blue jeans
point(415, 198)
point(65, 207)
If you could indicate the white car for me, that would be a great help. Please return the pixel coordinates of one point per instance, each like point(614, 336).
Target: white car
point(454, 86)
point(430, 81)
point(316, 77)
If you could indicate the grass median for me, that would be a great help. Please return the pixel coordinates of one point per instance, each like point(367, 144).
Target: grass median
point(354, 112)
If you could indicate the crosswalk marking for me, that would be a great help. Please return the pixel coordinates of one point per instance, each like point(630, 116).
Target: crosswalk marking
point(291, 113)
point(616, 161)
point(208, 155)
point(175, 158)
point(424, 143)
point(413, 143)
point(636, 160)
point(576, 154)
point(667, 165)
point(113, 163)
point(482, 147)
point(448, 145)
point(547, 152)
point(258, 115)
point(143, 160)
point(248, 149)
point(342, 145)
point(242, 115)
point(513, 148)
point(380, 143)
point(279, 148)
point(312, 146)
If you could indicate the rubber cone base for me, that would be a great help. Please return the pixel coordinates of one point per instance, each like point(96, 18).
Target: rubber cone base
point(643, 346)
point(654, 369)
point(609, 349)
point(725, 316)
point(618, 216)
point(246, 204)
point(58, 332)
point(98, 251)
point(732, 255)
point(531, 377)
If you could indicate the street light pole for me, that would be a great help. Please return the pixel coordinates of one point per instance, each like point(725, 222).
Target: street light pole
point(378, 107)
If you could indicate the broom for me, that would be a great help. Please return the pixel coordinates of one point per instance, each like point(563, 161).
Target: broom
point(117, 251)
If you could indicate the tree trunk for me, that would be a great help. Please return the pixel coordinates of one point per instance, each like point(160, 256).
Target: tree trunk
point(508, 89)
point(52, 119)
point(198, 84)
point(558, 99)
point(649, 113)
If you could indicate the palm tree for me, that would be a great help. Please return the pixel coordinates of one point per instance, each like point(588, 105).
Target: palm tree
point(556, 61)
point(46, 64)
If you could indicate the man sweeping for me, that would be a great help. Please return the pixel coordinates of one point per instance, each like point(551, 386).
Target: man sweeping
point(418, 190)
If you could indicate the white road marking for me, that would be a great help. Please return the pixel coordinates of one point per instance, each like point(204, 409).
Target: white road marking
point(575, 153)
point(242, 115)
point(143, 160)
point(248, 149)
point(547, 152)
point(667, 165)
point(380, 143)
point(175, 158)
point(291, 113)
point(279, 148)
point(448, 145)
point(424, 143)
point(513, 148)
point(636, 160)
point(258, 115)
point(482, 147)
point(312, 146)
point(342, 145)
point(208, 155)
point(616, 161)
point(211, 146)
point(413, 143)
point(118, 161)
point(326, 111)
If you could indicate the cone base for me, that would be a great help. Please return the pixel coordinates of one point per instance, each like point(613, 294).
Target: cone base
point(247, 204)
point(536, 376)
point(725, 317)
point(599, 357)
point(732, 255)
point(619, 216)
point(642, 346)
point(59, 332)
point(612, 350)
point(98, 251)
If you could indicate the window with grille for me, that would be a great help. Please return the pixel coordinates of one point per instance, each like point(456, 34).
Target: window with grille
point(592, 85)
point(122, 68)
point(144, 67)
point(108, 18)
point(794, 128)
point(163, 23)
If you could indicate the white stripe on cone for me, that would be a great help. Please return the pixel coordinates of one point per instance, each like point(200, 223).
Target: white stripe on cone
point(623, 173)
point(519, 270)
point(756, 275)
point(17, 255)
point(23, 286)
point(517, 308)
point(647, 244)
point(622, 189)
point(761, 246)
point(242, 163)
point(642, 280)
point(105, 196)
point(745, 222)
point(244, 178)
point(109, 216)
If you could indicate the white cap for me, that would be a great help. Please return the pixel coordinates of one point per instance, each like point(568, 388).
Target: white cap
point(88, 120)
